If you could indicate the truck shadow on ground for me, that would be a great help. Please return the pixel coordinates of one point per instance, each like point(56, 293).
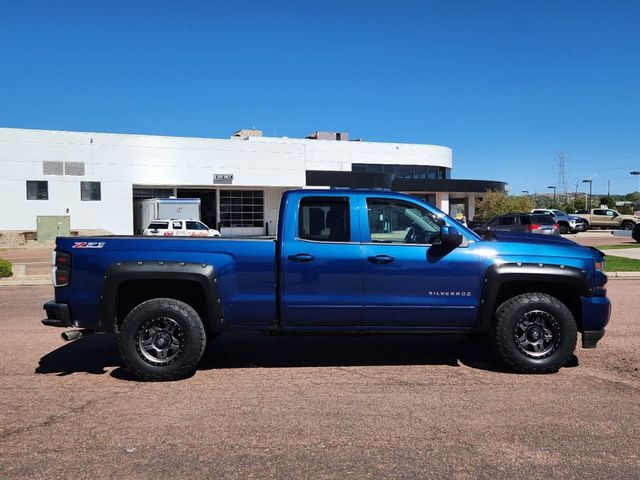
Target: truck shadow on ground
point(97, 353)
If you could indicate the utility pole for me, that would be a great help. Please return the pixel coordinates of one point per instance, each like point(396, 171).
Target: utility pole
point(636, 173)
point(590, 182)
point(609, 188)
point(575, 198)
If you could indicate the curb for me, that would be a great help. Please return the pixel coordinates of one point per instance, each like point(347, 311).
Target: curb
point(630, 275)
point(28, 280)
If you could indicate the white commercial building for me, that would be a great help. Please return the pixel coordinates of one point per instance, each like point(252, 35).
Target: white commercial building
point(93, 178)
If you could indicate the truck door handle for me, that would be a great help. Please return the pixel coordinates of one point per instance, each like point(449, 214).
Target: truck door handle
point(380, 259)
point(301, 257)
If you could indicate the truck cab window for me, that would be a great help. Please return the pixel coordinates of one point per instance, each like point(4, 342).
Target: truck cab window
point(395, 221)
point(324, 219)
point(177, 225)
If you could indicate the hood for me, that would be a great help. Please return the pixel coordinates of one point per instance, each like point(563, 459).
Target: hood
point(530, 238)
point(536, 245)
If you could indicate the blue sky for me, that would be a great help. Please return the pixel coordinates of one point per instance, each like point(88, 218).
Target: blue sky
point(506, 84)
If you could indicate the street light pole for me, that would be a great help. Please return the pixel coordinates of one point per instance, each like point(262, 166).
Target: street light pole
point(554, 194)
point(526, 192)
point(636, 173)
point(590, 182)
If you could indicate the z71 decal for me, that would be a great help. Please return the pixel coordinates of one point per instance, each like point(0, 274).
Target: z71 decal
point(88, 245)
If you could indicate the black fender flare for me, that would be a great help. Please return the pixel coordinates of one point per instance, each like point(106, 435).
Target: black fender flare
point(119, 272)
point(499, 275)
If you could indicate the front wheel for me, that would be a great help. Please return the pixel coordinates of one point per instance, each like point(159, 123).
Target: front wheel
point(534, 333)
point(162, 339)
point(628, 226)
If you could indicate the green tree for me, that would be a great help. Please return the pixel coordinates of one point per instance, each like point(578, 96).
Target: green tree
point(499, 203)
point(608, 201)
point(626, 209)
point(632, 197)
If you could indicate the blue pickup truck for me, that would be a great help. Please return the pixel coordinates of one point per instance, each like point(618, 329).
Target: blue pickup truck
point(344, 261)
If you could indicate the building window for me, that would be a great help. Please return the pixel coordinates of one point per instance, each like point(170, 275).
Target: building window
point(37, 190)
point(241, 208)
point(324, 219)
point(142, 193)
point(407, 172)
point(90, 191)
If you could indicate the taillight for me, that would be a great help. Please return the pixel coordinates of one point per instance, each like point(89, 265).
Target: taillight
point(556, 226)
point(60, 269)
point(534, 226)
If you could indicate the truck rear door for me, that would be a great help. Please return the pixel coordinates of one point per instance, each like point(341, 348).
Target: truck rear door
point(321, 261)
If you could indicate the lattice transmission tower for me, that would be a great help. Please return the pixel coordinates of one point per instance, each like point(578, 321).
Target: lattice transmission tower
point(560, 173)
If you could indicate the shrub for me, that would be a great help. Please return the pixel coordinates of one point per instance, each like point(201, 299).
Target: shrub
point(5, 268)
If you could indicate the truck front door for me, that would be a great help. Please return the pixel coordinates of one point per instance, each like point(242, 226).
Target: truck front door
point(321, 262)
point(408, 279)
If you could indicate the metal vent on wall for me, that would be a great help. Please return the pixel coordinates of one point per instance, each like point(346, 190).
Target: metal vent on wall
point(52, 168)
point(74, 168)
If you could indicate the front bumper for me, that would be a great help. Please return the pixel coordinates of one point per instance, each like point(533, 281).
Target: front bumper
point(577, 226)
point(58, 315)
point(595, 316)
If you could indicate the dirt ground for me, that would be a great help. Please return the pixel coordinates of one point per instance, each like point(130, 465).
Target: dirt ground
point(316, 407)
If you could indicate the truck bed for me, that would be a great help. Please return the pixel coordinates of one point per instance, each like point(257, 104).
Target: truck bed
point(244, 267)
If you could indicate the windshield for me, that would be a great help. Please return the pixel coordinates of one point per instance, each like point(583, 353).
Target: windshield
point(559, 212)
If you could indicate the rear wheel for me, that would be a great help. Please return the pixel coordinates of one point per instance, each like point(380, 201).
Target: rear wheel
point(534, 333)
point(162, 339)
point(564, 228)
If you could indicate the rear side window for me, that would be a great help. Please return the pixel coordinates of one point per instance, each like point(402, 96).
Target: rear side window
point(501, 221)
point(196, 226)
point(324, 219)
point(177, 225)
point(158, 226)
point(543, 219)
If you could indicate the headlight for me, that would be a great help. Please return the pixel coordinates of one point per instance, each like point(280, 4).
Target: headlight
point(600, 265)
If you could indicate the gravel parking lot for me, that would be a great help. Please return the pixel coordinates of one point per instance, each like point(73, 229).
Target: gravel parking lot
point(316, 407)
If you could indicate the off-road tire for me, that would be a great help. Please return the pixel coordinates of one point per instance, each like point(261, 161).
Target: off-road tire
point(627, 225)
point(511, 313)
point(192, 340)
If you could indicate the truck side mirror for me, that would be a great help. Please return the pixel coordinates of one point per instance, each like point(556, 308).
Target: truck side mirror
point(450, 236)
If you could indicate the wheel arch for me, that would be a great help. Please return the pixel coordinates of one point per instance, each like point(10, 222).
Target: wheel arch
point(505, 281)
point(127, 284)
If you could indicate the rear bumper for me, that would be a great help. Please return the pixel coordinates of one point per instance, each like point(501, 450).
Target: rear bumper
point(595, 316)
point(58, 315)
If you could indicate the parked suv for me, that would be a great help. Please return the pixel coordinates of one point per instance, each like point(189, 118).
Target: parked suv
point(179, 228)
point(566, 223)
point(522, 222)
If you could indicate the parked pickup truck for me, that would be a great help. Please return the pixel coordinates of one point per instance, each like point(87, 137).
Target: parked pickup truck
point(607, 218)
point(344, 261)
